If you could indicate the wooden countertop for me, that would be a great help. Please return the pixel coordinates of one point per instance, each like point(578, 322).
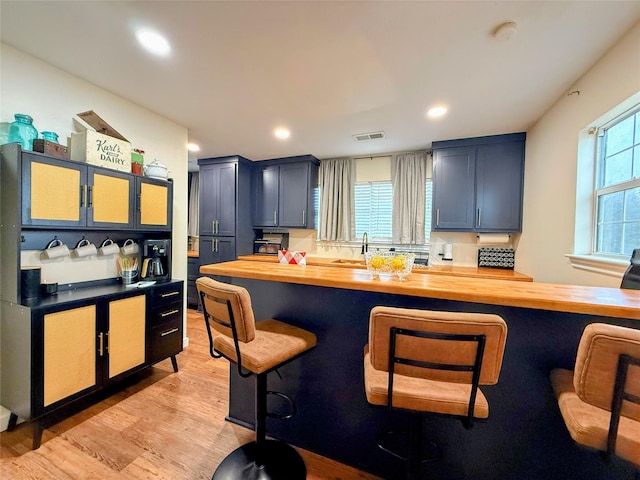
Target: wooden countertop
point(193, 253)
point(602, 301)
point(474, 272)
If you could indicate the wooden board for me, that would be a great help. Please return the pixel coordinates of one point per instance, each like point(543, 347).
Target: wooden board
point(610, 302)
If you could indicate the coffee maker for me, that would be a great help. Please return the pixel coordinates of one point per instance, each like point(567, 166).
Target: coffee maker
point(156, 260)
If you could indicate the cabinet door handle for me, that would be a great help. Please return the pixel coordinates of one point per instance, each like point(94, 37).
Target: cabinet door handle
point(166, 314)
point(169, 332)
point(275, 217)
point(213, 227)
point(303, 216)
point(82, 195)
point(100, 344)
point(437, 217)
point(169, 294)
point(479, 216)
point(217, 227)
point(89, 196)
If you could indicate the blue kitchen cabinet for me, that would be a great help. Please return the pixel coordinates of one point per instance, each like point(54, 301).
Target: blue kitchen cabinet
point(217, 249)
point(225, 224)
point(478, 184)
point(218, 199)
point(266, 195)
point(284, 192)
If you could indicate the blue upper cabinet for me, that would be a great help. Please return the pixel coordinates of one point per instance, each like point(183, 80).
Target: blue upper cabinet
point(225, 208)
point(478, 184)
point(266, 194)
point(284, 192)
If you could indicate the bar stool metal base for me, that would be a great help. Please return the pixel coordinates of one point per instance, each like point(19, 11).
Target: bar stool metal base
point(280, 462)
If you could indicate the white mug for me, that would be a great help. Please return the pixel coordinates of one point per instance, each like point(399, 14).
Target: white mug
point(85, 248)
point(129, 247)
point(108, 247)
point(55, 249)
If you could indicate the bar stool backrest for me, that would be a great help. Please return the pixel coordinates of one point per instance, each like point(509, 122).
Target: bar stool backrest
point(225, 303)
point(599, 352)
point(434, 350)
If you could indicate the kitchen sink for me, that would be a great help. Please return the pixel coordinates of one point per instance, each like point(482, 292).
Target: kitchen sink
point(349, 261)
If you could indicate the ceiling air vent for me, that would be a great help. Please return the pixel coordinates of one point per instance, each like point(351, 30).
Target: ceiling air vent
point(368, 136)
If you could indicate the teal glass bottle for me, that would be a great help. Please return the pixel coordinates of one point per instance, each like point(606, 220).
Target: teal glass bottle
point(23, 131)
point(51, 136)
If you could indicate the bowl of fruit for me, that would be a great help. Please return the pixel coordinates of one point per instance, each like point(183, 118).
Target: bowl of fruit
point(389, 263)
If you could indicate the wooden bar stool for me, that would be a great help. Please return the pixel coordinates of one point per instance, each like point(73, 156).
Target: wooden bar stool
point(427, 362)
point(257, 349)
point(600, 399)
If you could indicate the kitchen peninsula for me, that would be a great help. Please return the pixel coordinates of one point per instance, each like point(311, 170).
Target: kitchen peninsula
point(524, 437)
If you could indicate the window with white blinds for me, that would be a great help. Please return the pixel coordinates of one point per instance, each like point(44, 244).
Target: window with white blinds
point(427, 210)
point(373, 198)
point(373, 210)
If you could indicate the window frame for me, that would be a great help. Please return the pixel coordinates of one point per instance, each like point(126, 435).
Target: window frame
point(622, 186)
point(583, 256)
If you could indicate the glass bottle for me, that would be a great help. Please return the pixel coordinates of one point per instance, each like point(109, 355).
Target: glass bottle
point(51, 136)
point(4, 132)
point(23, 131)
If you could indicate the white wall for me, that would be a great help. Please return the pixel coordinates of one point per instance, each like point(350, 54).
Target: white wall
point(551, 162)
point(550, 178)
point(52, 97)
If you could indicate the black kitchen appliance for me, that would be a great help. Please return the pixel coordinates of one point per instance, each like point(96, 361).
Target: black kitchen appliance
point(631, 278)
point(156, 260)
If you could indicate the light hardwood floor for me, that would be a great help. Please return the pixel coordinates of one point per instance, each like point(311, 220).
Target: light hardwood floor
point(166, 426)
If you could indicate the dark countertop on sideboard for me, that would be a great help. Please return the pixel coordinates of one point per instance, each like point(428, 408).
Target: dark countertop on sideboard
point(88, 293)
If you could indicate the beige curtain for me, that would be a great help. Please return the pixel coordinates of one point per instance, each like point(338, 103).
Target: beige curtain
point(336, 180)
point(408, 179)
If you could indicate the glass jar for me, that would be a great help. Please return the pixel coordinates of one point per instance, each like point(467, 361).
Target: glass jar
point(51, 136)
point(23, 131)
point(4, 132)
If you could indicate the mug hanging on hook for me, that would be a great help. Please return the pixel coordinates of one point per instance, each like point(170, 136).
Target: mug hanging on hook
point(55, 249)
point(129, 247)
point(85, 248)
point(108, 247)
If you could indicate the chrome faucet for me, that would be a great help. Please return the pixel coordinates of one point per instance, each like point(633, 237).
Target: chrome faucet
point(365, 243)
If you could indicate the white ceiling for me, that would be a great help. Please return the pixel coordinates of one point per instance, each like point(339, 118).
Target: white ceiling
point(327, 70)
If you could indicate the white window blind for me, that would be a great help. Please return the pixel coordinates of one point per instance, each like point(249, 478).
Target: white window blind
point(427, 210)
point(373, 210)
point(373, 198)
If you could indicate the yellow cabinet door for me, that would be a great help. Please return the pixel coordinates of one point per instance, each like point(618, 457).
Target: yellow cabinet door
point(154, 204)
point(53, 192)
point(69, 352)
point(110, 199)
point(126, 334)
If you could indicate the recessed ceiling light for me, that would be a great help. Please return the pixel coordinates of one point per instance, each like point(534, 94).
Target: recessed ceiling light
point(154, 42)
point(436, 112)
point(282, 133)
point(192, 147)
